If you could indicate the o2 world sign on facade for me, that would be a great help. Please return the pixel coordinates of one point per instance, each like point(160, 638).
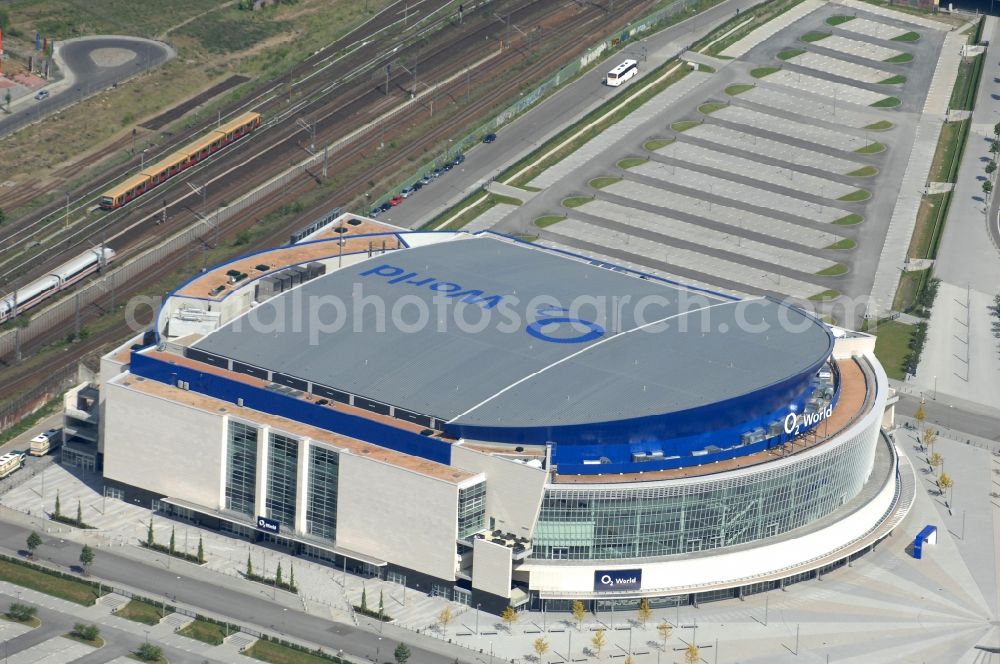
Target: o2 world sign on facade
point(617, 580)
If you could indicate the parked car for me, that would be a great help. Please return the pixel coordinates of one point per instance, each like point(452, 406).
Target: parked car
point(426, 179)
point(447, 167)
point(458, 160)
point(437, 173)
point(406, 193)
point(418, 185)
point(385, 207)
point(375, 212)
point(42, 94)
point(489, 138)
point(396, 200)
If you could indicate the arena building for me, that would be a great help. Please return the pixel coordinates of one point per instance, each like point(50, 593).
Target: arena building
point(503, 423)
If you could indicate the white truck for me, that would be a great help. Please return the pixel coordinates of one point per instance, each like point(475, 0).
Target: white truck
point(44, 443)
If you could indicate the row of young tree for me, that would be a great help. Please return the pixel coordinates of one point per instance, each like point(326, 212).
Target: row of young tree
point(927, 436)
point(87, 555)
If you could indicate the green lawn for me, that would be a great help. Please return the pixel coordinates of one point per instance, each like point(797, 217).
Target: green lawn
point(275, 653)
point(814, 36)
point(907, 37)
point(864, 172)
point(881, 125)
point(32, 622)
point(871, 148)
point(856, 196)
point(576, 201)
point(50, 584)
point(761, 72)
point(548, 220)
point(142, 612)
point(205, 632)
point(825, 295)
point(708, 69)
point(900, 58)
point(684, 125)
point(738, 88)
point(892, 344)
point(843, 245)
point(711, 107)
point(963, 94)
point(96, 643)
point(888, 102)
point(837, 20)
point(652, 145)
point(834, 270)
point(604, 181)
point(790, 53)
point(898, 79)
point(632, 162)
point(849, 220)
point(948, 149)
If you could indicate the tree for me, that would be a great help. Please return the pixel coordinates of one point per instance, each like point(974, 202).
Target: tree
point(945, 482)
point(249, 566)
point(629, 660)
point(509, 616)
point(445, 618)
point(86, 632)
point(995, 147)
point(6, 98)
point(991, 167)
point(579, 613)
point(364, 599)
point(292, 586)
point(21, 612)
point(401, 653)
point(665, 630)
point(201, 551)
point(277, 574)
point(150, 540)
point(148, 652)
point(920, 416)
point(541, 646)
point(987, 188)
point(79, 512)
point(691, 655)
point(598, 640)
point(936, 460)
point(56, 511)
point(644, 612)
point(86, 557)
point(173, 539)
point(34, 541)
point(381, 604)
point(930, 437)
point(996, 130)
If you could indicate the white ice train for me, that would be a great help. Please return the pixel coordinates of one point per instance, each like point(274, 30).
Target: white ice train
point(58, 279)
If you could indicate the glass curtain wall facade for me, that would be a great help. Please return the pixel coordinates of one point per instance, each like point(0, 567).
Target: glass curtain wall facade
point(241, 468)
point(321, 503)
point(635, 521)
point(282, 469)
point(471, 509)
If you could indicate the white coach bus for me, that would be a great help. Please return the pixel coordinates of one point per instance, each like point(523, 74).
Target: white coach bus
point(622, 73)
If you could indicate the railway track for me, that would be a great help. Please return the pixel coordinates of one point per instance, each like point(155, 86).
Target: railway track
point(580, 28)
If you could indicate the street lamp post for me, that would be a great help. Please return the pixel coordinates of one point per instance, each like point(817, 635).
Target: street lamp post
point(477, 618)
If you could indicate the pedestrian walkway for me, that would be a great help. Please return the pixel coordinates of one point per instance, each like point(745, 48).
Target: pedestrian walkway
point(771, 28)
point(904, 214)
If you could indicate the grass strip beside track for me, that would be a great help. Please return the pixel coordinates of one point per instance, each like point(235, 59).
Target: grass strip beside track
point(276, 653)
point(741, 25)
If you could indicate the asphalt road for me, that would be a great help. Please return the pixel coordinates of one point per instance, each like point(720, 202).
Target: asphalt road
point(238, 606)
point(83, 77)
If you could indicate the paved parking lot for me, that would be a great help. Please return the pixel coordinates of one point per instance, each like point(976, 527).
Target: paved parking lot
point(777, 182)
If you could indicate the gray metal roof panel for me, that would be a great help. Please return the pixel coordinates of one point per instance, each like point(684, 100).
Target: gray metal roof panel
point(453, 372)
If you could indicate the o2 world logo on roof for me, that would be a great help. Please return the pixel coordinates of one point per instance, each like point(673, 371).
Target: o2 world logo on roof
point(554, 324)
